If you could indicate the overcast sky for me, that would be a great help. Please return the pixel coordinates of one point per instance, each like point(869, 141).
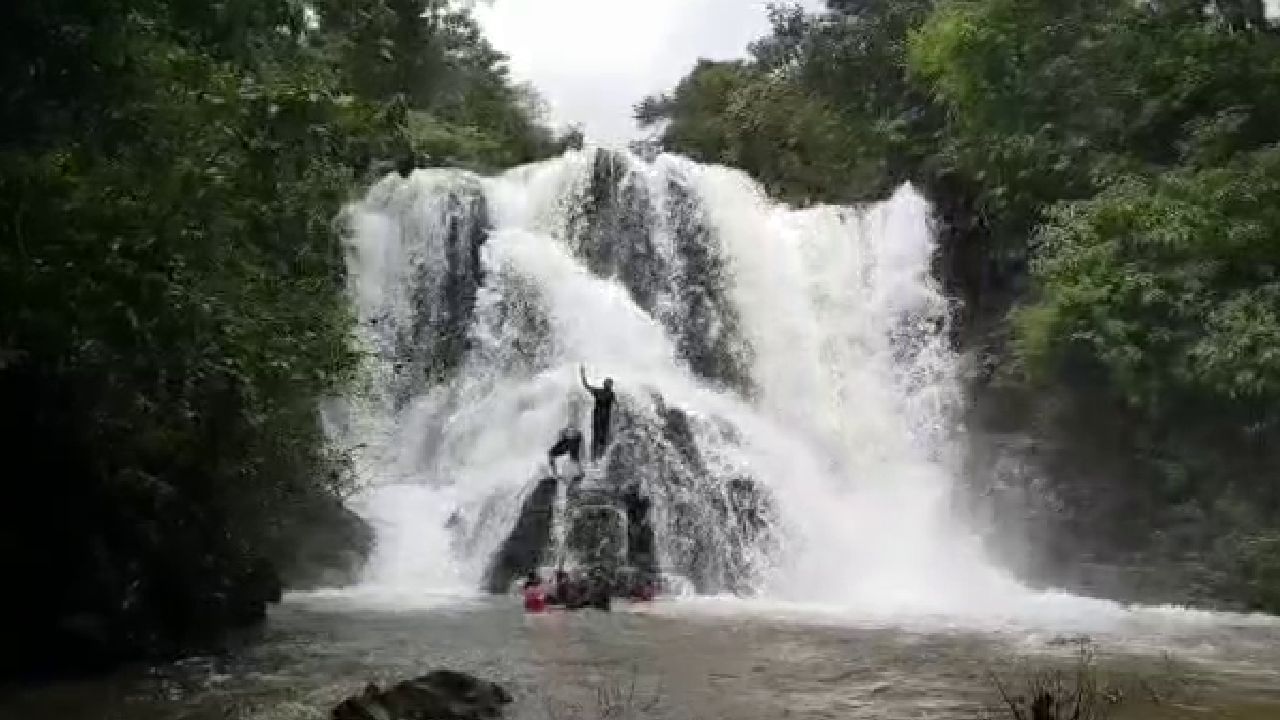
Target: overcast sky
point(593, 59)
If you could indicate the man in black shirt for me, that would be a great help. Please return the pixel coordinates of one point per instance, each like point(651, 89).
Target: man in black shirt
point(570, 444)
point(599, 414)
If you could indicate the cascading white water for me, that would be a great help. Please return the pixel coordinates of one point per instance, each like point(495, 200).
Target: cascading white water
point(807, 349)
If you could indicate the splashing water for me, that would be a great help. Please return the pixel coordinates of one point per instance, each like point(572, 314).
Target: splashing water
point(805, 350)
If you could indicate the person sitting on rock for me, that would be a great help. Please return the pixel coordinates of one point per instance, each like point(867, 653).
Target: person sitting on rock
point(600, 413)
point(535, 598)
point(564, 592)
point(643, 589)
point(570, 443)
point(593, 591)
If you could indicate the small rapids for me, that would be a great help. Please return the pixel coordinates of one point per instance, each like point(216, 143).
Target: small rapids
point(685, 660)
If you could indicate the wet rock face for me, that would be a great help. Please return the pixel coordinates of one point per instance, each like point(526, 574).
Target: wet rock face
point(705, 323)
point(597, 532)
point(656, 509)
point(709, 525)
point(612, 231)
point(529, 544)
point(432, 346)
point(439, 695)
point(641, 550)
point(331, 546)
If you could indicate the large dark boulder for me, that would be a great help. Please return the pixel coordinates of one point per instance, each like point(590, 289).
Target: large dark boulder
point(439, 695)
point(652, 509)
point(528, 546)
point(324, 544)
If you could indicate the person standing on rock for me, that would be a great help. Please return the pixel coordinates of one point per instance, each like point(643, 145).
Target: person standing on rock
point(600, 413)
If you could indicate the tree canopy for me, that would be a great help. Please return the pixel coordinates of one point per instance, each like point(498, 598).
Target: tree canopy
point(172, 306)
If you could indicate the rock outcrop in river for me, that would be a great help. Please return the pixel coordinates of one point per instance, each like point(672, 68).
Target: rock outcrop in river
point(779, 374)
point(438, 695)
point(653, 508)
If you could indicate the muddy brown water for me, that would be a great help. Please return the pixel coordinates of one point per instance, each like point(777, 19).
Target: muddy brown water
point(689, 660)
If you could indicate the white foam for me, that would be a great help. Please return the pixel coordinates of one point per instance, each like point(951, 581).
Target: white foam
point(853, 430)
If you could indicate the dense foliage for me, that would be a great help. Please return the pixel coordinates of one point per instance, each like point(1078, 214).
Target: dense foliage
point(1105, 172)
point(171, 292)
point(430, 59)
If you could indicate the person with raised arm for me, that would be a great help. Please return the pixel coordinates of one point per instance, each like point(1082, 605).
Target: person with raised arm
point(600, 413)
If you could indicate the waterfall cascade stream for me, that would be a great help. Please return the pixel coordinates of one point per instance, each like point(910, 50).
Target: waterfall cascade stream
point(804, 353)
point(787, 405)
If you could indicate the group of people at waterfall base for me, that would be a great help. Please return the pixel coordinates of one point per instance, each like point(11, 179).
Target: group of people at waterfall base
point(594, 590)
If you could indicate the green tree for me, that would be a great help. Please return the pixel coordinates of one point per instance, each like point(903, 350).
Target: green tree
point(1168, 286)
point(1049, 101)
point(824, 110)
point(694, 118)
point(1136, 137)
point(430, 59)
point(172, 305)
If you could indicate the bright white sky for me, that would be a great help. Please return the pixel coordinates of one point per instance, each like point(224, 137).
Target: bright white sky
point(592, 60)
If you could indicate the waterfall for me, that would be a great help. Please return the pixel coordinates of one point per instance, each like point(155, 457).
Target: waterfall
point(787, 405)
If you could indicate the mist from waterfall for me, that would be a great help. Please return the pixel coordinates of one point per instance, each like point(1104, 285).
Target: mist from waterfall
point(807, 350)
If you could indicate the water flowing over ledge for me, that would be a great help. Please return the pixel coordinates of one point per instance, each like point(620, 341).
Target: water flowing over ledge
point(788, 396)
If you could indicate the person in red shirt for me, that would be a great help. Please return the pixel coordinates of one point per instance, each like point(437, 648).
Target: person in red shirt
point(535, 598)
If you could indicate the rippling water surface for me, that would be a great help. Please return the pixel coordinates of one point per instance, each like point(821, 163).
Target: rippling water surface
point(683, 659)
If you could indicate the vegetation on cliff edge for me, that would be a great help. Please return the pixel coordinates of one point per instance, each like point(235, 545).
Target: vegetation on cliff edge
point(1105, 174)
point(171, 291)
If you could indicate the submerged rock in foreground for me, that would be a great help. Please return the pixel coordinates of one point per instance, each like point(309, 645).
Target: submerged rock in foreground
point(438, 695)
